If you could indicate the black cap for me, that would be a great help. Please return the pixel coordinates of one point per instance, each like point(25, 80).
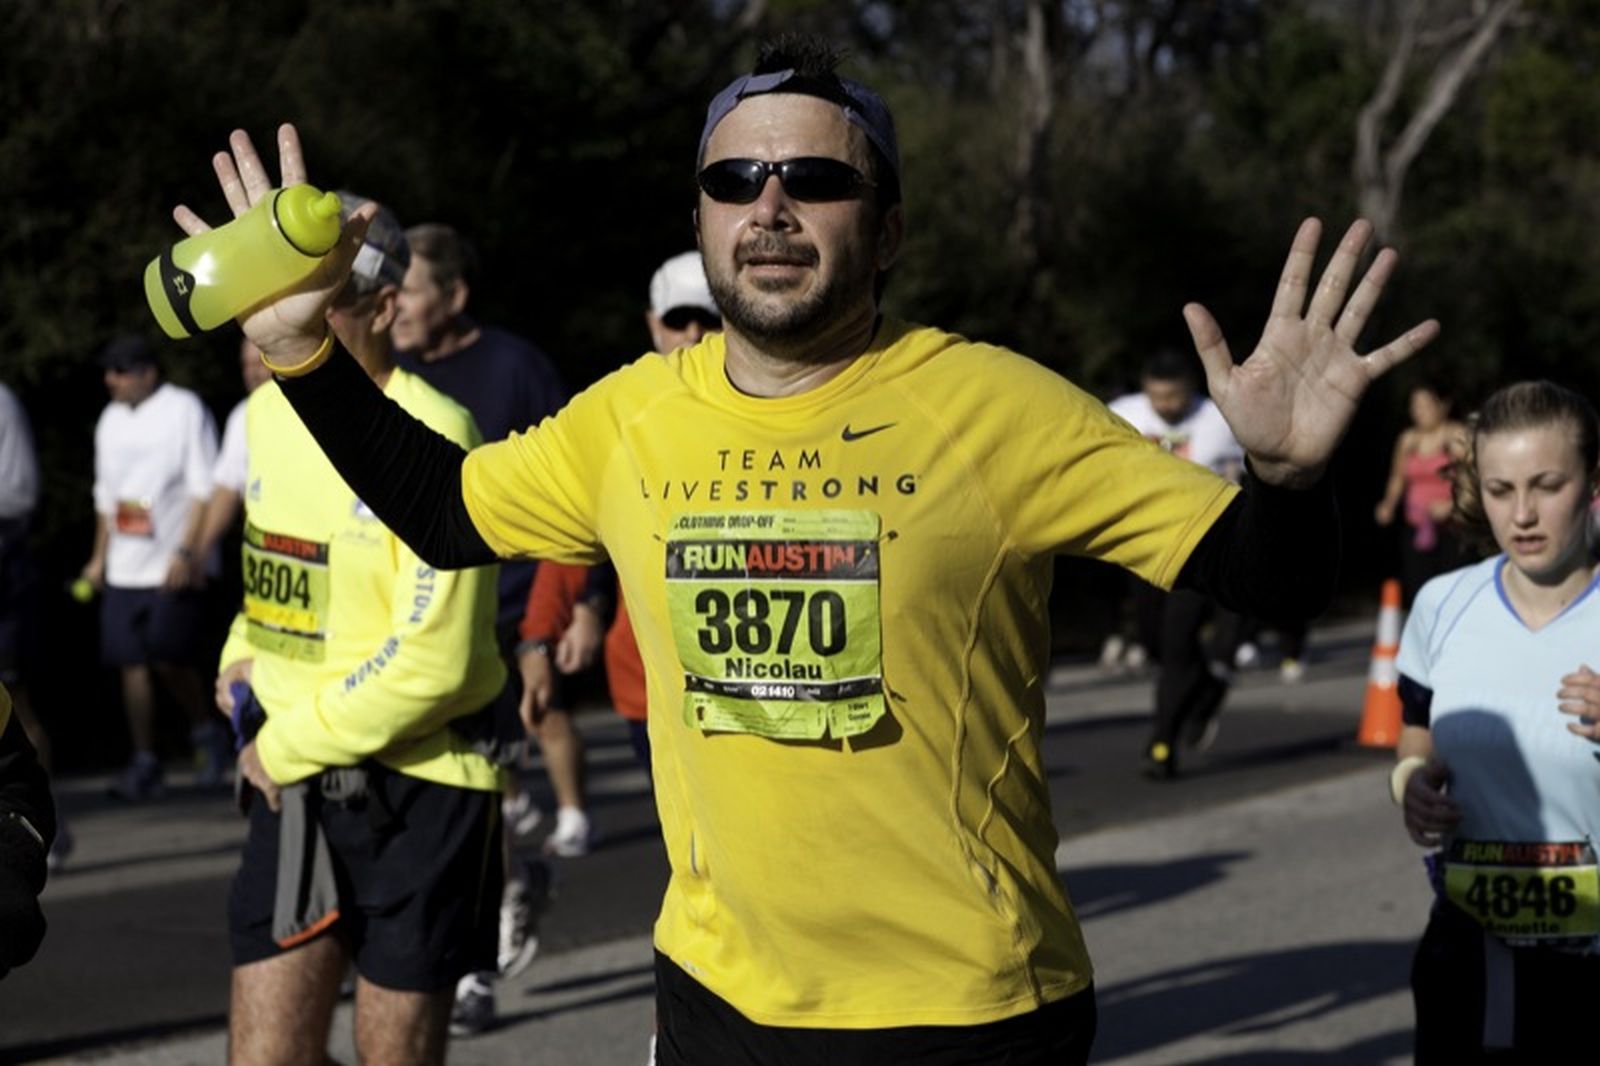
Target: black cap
point(128, 352)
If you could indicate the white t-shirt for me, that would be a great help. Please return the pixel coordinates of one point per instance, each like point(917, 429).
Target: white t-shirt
point(1202, 436)
point(152, 463)
point(233, 459)
point(19, 467)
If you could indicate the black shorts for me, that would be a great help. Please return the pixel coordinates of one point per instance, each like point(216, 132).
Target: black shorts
point(694, 1027)
point(143, 626)
point(1550, 993)
point(419, 871)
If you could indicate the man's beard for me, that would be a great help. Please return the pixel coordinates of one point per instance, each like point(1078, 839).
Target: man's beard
point(789, 329)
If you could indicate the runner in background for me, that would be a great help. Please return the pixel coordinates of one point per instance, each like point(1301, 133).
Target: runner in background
point(154, 450)
point(348, 675)
point(1418, 489)
point(1499, 765)
point(1195, 672)
point(233, 463)
point(508, 384)
point(564, 615)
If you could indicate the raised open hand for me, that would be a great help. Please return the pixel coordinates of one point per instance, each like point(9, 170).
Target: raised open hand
point(290, 326)
point(1292, 400)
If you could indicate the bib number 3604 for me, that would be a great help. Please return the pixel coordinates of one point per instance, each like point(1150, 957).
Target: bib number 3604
point(285, 594)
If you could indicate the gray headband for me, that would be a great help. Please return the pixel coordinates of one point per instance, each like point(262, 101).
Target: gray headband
point(863, 108)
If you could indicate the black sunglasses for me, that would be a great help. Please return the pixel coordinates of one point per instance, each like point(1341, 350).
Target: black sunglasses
point(813, 179)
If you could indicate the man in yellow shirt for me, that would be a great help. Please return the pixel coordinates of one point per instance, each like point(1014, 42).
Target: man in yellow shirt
point(834, 532)
point(374, 834)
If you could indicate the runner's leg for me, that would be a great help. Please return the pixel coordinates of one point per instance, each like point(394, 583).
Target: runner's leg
point(283, 1006)
point(562, 747)
point(189, 692)
point(138, 698)
point(396, 1027)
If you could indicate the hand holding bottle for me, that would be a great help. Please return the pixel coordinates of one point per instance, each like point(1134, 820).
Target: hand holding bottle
point(290, 327)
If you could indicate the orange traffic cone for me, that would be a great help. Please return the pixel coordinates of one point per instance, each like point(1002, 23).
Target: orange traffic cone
point(1380, 717)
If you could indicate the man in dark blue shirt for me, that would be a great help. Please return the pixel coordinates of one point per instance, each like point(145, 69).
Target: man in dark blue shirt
point(508, 384)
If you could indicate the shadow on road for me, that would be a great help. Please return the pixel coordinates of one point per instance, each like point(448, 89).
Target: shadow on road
point(616, 986)
point(128, 1037)
point(151, 858)
point(1385, 1047)
point(1248, 995)
point(1097, 891)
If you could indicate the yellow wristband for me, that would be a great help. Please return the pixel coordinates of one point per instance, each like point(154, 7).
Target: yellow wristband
point(1401, 775)
point(316, 359)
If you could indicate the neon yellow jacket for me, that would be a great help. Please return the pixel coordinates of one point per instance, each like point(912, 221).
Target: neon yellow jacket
point(361, 649)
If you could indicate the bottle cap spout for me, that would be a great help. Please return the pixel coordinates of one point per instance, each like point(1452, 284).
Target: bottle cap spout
point(308, 218)
point(327, 206)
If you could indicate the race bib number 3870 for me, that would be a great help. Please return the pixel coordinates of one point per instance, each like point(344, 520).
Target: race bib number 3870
point(775, 616)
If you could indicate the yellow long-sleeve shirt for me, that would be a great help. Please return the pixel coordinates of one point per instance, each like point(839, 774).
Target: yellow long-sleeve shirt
point(360, 648)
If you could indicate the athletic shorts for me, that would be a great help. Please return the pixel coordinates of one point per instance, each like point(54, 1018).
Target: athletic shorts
point(143, 626)
point(419, 872)
point(17, 581)
point(694, 1027)
point(1534, 998)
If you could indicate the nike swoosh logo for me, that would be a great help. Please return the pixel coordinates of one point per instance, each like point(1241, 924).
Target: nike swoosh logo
point(852, 434)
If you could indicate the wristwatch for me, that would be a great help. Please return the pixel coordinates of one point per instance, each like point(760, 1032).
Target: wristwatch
point(538, 644)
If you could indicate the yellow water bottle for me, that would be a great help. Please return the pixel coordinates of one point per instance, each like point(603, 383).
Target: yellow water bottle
point(209, 278)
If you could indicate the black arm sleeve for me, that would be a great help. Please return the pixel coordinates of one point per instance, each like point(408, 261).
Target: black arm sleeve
point(1273, 554)
point(406, 473)
point(1416, 703)
point(600, 591)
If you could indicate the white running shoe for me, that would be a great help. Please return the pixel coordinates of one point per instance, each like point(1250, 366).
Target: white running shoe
point(522, 815)
point(473, 1012)
point(526, 896)
point(573, 835)
point(1111, 653)
point(1246, 655)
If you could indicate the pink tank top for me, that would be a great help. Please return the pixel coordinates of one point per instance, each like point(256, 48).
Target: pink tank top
point(1427, 483)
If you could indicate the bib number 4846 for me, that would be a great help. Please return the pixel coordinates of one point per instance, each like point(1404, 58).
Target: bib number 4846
point(1506, 897)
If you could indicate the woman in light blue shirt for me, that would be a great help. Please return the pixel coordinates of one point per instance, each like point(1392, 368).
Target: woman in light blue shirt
point(1499, 766)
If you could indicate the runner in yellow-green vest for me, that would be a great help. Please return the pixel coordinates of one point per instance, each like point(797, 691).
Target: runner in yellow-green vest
point(374, 820)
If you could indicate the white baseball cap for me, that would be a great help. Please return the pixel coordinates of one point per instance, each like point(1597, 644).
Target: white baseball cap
point(681, 282)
